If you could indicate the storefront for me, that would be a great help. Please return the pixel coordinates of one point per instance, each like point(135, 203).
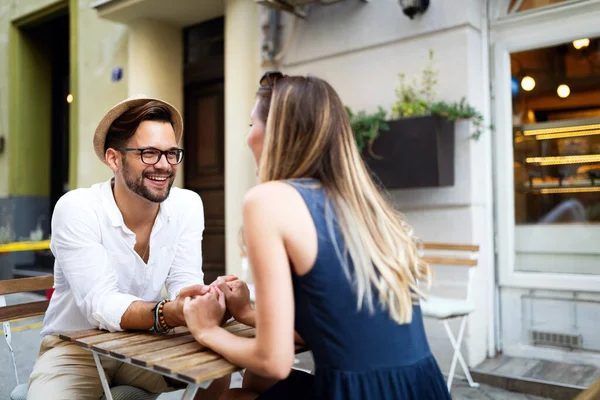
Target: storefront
point(527, 193)
point(546, 108)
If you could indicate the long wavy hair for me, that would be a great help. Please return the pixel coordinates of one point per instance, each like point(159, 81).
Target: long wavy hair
point(308, 135)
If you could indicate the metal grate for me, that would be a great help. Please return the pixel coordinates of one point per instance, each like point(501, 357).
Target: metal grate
point(539, 338)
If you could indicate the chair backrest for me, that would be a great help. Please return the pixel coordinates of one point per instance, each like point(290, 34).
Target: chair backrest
point(21, 285)
point(452, 255)
point(24, 310)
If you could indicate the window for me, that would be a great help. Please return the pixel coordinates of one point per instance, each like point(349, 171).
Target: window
point(556, 153)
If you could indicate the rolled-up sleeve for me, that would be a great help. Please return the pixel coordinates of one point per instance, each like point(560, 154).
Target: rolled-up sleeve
point(76, 243)
point(186, 268)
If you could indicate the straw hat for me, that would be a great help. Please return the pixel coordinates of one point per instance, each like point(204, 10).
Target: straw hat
point(122, 107)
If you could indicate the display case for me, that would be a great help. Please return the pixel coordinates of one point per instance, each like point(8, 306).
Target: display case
point(557, 172)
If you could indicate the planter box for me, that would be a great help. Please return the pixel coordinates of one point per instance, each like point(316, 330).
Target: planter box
point(415, 152)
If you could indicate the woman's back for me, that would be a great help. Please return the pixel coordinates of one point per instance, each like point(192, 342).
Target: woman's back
point(358, 353)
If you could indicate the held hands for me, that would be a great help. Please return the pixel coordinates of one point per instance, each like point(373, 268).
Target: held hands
point(206, 307)
point(205, 312)
point(174, 310)
point(237, 296)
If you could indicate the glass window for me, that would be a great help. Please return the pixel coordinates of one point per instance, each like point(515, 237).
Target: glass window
point(556, 132)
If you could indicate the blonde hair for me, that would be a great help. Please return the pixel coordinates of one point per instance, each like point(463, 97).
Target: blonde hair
point(308, 136)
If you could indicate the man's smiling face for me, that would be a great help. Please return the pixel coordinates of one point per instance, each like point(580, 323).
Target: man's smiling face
point(152, 182)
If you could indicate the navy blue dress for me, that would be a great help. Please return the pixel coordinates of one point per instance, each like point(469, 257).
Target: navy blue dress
point(358, 355)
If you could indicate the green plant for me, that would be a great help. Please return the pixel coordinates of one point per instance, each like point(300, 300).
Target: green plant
point(460, 110)
point(366, 126)
point(417, 100)
point(413, 101)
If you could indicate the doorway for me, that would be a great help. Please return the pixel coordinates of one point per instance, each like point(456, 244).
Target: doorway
point(204, 139)
point(547, 156)
point(39, 145)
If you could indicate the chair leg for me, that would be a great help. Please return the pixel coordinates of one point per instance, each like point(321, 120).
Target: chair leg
point(8, 337)
point(456, 343)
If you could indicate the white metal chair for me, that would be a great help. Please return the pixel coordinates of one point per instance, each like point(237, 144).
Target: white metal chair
point(443, 309)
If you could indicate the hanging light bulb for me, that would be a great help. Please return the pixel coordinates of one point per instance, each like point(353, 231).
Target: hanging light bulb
point(527, 83)
point(70, 98)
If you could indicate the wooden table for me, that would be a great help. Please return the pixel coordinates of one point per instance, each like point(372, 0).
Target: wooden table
point(176, 355)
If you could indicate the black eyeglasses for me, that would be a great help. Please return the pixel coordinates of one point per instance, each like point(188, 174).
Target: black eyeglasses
point(270, 78)
point(152, 156)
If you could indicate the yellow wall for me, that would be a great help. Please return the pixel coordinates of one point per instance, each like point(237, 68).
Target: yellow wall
point(30, 114)
point(156, 64)
point(241, 77)
point(102, 45)
point(20, 9)
point(9, 12)
point(24, 89)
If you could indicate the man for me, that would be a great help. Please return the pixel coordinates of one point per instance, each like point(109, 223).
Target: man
point(116, 244)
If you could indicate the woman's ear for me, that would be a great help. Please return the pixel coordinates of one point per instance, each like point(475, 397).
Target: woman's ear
point(113, 159)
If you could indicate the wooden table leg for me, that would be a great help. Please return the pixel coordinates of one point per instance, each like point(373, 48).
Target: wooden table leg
point(102, 377)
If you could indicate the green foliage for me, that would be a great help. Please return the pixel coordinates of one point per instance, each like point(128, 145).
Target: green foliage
point(366, 126)
point(460, 110)
point(417, 100)
point(414, 99)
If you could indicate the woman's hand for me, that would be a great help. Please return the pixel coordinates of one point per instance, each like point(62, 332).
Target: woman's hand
point(237, 296)
point(204, 313)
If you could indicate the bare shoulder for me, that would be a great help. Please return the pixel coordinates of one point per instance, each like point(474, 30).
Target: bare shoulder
point(274, 198)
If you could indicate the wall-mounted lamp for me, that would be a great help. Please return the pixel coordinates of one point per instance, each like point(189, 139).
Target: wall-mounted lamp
point(413, 7)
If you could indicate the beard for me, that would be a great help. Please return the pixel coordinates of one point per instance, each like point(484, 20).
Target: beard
point(137, 184)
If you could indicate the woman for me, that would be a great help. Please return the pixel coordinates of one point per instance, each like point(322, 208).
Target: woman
point(330, 257)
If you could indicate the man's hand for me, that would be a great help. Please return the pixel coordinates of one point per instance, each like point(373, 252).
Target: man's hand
point(237, 296)
point(173, 310)
point(204, 313)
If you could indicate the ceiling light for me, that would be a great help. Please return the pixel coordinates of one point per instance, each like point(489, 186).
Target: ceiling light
point(70, 98)
point(581, 43)
point(527, 83)
point(562, 160)
point(563, 91)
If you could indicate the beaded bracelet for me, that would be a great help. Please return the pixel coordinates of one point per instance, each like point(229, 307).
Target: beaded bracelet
point(160, 324)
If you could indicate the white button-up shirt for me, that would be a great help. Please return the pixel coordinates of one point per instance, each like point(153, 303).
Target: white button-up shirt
point(98, 274)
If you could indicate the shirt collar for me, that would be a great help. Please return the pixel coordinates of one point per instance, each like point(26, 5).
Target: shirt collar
point(114, 213)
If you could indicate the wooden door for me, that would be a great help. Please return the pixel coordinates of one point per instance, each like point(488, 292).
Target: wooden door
point(204, 137)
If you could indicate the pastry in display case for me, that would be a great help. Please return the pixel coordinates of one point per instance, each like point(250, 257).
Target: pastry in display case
point(557, 166)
